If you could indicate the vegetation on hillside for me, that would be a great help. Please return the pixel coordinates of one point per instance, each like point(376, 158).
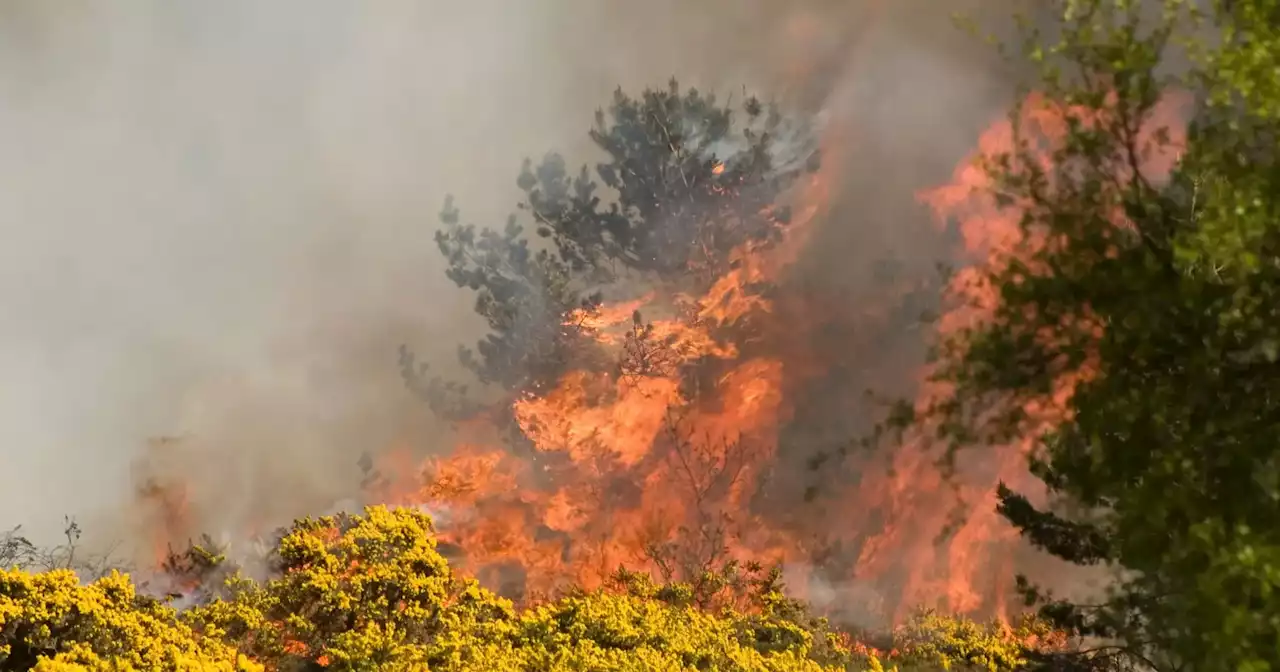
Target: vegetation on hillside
point(371, 592)
point(1144, 303)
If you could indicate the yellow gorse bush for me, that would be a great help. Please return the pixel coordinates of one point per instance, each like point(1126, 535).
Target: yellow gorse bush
point(50, 621)
point(371, 592)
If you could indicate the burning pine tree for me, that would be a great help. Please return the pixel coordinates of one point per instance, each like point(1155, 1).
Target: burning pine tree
point(628, 345)
point(645, 357)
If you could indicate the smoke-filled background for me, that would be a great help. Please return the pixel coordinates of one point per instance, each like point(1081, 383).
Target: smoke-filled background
point(218, 216)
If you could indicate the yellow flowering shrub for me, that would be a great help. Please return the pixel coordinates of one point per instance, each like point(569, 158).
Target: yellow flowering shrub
point(356, 592)
point(611, 631)
point(50, 621)
point(933, 641)
point(371, 592)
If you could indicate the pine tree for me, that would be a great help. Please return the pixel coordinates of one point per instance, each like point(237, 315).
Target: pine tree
point(684, 180)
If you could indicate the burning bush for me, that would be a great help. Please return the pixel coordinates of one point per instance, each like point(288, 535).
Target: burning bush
point(371, 592)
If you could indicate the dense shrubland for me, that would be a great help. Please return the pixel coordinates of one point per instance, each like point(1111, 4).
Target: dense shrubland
point(371, 592)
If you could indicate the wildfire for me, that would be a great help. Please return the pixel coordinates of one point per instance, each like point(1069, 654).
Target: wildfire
point(654, 477)
point(166, 500)
point(645, 468)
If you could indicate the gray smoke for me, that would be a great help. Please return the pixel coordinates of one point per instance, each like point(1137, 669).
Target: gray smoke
point(217, 216)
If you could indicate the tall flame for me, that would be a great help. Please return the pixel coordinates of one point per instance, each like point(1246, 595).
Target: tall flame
point(632, 467)
point(650, 475)
point(662, 480)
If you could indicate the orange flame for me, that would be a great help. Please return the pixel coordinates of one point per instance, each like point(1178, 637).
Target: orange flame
point(656, 477)
point(646, 468)
point(633, 464)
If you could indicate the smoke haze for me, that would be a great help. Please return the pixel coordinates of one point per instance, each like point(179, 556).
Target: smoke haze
point(217, 216)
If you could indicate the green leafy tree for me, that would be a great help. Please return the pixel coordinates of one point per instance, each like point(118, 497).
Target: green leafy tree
point(1169, 461)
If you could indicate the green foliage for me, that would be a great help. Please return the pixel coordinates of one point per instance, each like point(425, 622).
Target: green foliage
point(370, 592)
point(1170, 456)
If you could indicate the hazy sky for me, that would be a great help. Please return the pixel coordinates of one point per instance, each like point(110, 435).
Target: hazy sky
point(217, 215)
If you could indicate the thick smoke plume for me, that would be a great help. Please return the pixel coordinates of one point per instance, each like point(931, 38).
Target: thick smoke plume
point(219, 215)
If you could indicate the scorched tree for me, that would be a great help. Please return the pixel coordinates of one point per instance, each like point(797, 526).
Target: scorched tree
point(683, 181)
